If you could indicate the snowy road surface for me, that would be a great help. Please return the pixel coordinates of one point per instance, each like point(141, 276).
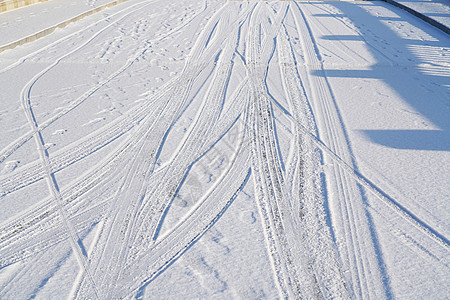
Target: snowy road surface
point(17, 24)
point(227, 149)
point(438, 10)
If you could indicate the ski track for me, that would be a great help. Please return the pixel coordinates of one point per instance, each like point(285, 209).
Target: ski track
point(127, 196)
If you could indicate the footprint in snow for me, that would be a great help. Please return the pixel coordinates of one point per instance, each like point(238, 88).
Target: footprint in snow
point(59, 132)
point(49, 145)
point(247, 217)
point(10, 166)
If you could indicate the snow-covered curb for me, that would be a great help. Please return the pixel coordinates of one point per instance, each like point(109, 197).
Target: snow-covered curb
point(49, 30)
point(13, 4)
point(420, 15)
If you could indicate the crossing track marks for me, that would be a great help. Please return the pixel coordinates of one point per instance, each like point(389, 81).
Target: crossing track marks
point(267, 177)
point(299, 273)
point(129, 245)
point(126, 201)
point(141, 216)
point(46, 162)
point(213, 204)
point(104, 136)
point(81, 149)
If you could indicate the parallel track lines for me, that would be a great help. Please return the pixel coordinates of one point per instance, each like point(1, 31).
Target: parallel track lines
point(307, 211)
point(266, 165)
point(361, 257)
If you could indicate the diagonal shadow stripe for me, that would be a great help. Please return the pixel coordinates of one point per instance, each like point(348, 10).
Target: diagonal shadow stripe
point(433, 140)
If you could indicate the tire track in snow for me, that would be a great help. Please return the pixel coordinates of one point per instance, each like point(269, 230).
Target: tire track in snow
point(352, 228)
point(307, 210)
point(366, 182)
point(174, 243)
point(88, 183)
point(45, 234)
point(292, 281)
point(18, 143)
point(94, 177)
point(25, 276)
point(33, 171)
point(201, 135)
point(165, 122)
point(36, 130)
point(131, 159)
point(10, 149)
point(6, 152)
point(210, 207)
point(221, 87)
point(53, 187)
point(102, 169)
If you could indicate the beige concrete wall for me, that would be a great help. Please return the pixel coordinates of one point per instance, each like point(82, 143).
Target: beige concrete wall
point(12, 4)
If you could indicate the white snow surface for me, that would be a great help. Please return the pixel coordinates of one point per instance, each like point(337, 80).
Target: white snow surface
point(212, 149)
point(438, 10)
point(19, 23)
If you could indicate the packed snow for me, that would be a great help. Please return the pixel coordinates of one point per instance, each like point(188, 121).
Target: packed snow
point(213, 149)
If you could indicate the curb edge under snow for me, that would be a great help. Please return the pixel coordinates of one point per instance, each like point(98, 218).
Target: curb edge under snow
point(49, 30)
point(425, 18)
point(14, 4)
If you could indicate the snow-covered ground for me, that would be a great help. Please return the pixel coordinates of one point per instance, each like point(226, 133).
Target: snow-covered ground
point(20, 23)
point(227, 149)
point(438, 10)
